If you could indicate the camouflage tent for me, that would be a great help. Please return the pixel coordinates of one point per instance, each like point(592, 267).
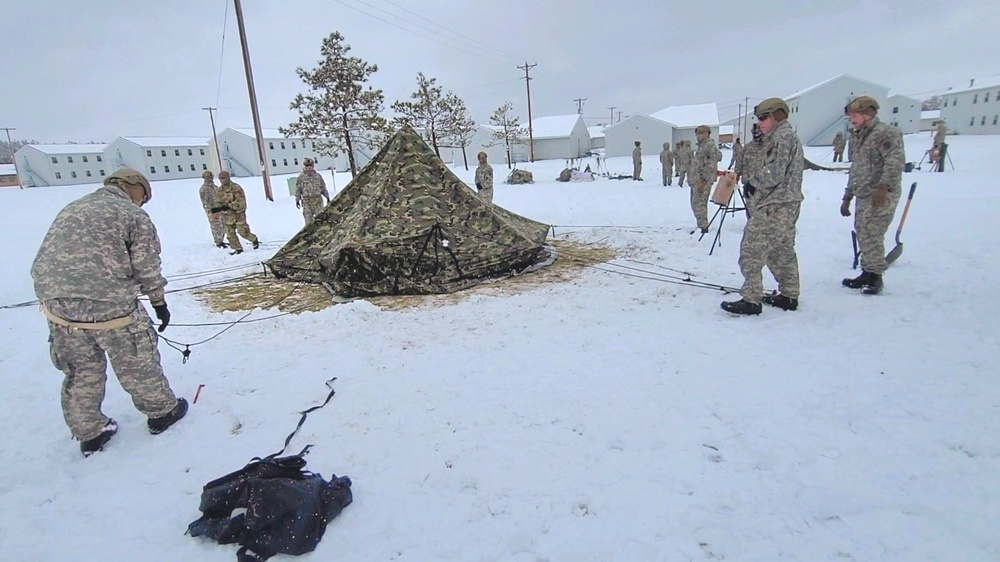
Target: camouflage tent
point(519, 176)
point(407, 225)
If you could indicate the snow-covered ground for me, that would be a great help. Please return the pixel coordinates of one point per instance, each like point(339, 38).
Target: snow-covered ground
point(608, 418)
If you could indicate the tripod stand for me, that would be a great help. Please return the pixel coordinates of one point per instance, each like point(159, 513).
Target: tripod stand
point(938, 164)
point(726, 207)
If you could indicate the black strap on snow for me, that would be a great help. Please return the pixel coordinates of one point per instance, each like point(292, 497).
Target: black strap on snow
point(302, 420)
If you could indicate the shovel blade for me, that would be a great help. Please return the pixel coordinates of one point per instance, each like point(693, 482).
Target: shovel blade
point(894, 254)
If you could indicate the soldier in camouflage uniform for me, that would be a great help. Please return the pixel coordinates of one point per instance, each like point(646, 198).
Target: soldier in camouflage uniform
point(876, 180)
point(310, 191)
point(737, 154)
point(100, 252)
point(703, 174)
point(686, 156)
point(484, 178)
point(207, 194)
point(678, 147)
point(232, 203)
point(667, 163)
point(838, 147)
point(637, 162)
point(773, 173)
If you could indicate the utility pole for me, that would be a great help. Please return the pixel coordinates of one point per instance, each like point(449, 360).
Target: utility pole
point(531, 132)
point(612, 108)
point(10, 145)
point(579, 105)
point(619, 116)
point(253, 103)
point(215, 138)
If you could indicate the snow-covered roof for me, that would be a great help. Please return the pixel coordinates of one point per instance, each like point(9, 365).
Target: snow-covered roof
point(69, 148)
point(827, 81)
point(988, 82)
point(682, 116)
point(268, 133)
point(7, 170)
point(159, 142)
point(903, 96)
point(726, 129)
point(596, 132)
point(930, 114)
point(553, 127)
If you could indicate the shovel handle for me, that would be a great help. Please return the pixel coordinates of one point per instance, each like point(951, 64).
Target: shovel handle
point(906, 209)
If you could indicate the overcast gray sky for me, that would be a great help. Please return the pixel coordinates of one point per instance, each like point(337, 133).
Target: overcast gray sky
point(96, 70)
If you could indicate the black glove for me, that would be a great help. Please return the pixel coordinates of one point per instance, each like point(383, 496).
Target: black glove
point(749, 189)
point(479, 186)
point(163, 315)
point(219, 209)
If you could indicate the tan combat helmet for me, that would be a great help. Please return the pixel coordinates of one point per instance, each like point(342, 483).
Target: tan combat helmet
point(207, 175)
point(128, 177)
point(770, 105)
point(703, 129)
point(861, 103)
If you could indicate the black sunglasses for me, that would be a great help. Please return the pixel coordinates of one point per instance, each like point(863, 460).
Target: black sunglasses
point(763, 117)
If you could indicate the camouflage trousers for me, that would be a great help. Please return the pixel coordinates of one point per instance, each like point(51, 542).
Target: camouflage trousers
point(218, 229)
point(871, 224)
point(682, 174)
point(667, 179)
point(311, 206)
point(769, 240)
point(237, 223)
point(699, 205)
point(838, 155)
point(637, 170)
point(486, 194)
point(82, 356)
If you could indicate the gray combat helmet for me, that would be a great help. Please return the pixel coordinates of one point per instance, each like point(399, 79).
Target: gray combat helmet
point(129, 177)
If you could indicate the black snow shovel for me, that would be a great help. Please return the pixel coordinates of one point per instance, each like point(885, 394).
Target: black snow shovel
point(898, 250)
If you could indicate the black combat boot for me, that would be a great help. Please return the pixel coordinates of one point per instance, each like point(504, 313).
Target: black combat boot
point(233, 253)
point(221, 245)
point(159, 425)
point(859, 281)
point(741, 307)
point(781, 301)
point(91, 446)
point(256, 244)
point(874, 284)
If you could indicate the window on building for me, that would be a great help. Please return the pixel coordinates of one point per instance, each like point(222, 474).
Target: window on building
point(983, 122)
point(895, 109)
point(73, 174)
point(204, 166)
point(180, 168)
point(85, 158)
point(285, 161)
point(975, 98)
point(190, 152)
point(166, 169)
point(192, 167)
point(954, 102)
point(201, 151)
point(986, 97)
point(152, 169)
point(55, 160)
point(293, 145)
point(177, 152)
point(282, 145)
point(972, 122)
point(163, 153)
point(102, 172)
point(58, 176)
point(99, 158)
point(274, 163)
point(149, 154)
point(994, 119)
point(946, 103)
point(270, 145)
point(296, 161)
point(69, 159)
point(88, 173)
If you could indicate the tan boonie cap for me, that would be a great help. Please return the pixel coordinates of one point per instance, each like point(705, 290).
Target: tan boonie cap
point(130, 177)
point(861, 103)
point(770, 105)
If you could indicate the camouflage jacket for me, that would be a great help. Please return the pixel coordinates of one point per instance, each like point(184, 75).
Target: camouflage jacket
point(101, 251)
point(751, 158)
point(878, 159)
point(666, 158)
point(637, 155)
point(704, 167)
point(777, 174)
point(839, 142)
point(207, 194)
point(484, 176)
point(685, 155)
point(310, 184)
point(734, 162)
point(231, 195)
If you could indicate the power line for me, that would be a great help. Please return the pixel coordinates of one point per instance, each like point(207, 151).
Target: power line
point(342, 3)
point(579, 105)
